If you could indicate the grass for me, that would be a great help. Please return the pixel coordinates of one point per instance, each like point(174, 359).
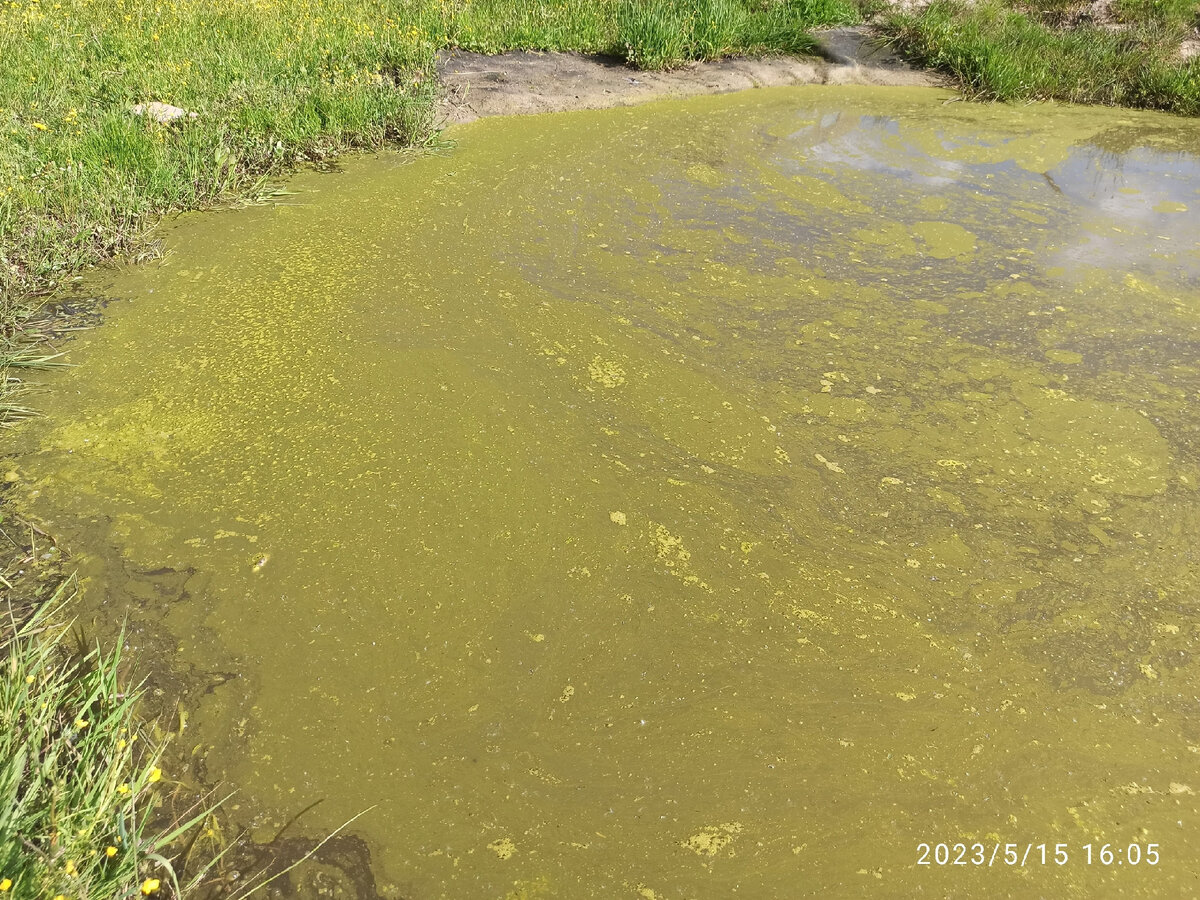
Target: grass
point(660, 34)
point(1016, 50)
point(79, 784)
point(86, 811)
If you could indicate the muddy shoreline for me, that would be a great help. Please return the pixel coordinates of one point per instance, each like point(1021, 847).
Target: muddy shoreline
point(524, 83)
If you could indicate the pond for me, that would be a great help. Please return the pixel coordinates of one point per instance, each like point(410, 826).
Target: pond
point(717, 497)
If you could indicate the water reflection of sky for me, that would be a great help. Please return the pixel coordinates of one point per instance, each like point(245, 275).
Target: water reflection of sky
point(1152, 197)
point(874, 144)
point(1125, 209)
point(1058, 218)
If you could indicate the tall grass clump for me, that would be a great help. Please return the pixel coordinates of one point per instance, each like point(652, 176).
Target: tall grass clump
point(648, 34)
point(493, 26)
point(661, 34)
point(998, 53)
point(79, 785)
point(784, 27)
point(718, 28)
point(654, 34)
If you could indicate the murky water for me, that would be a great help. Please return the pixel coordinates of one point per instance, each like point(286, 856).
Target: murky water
point(712, 498)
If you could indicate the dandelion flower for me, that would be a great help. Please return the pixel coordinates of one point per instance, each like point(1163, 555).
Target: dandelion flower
point(155, 774)
point(40, 126)
point(29, 679)
point(149, 886)
point(5, 884)
point(70, 867)
point(122, 788)
point(121, 744)
point(81, 724)
point(110, 851)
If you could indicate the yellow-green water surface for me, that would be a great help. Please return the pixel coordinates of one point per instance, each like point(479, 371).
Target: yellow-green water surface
point(715, 498)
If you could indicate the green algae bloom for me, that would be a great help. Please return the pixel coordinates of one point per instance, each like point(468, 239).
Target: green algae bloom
point(712, 496)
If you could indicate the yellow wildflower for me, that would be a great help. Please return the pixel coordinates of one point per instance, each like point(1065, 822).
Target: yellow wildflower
point(40, 126)
point(155, 774)
point(110, 851)
point(81, 724)
point(122, 789)
point(149, 886)
point(29, 679)
point(5, 884)
point(70, 867)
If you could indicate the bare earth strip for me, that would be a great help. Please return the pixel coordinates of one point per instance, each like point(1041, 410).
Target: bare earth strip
point(522, 82)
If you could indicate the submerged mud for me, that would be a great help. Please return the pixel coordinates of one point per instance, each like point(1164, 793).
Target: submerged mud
point(712, 498)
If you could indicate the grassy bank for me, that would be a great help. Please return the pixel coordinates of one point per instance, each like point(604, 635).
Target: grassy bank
point(1014, 50)
point(79, 784)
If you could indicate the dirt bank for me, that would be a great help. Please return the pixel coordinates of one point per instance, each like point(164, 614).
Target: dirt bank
point(521, 82)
